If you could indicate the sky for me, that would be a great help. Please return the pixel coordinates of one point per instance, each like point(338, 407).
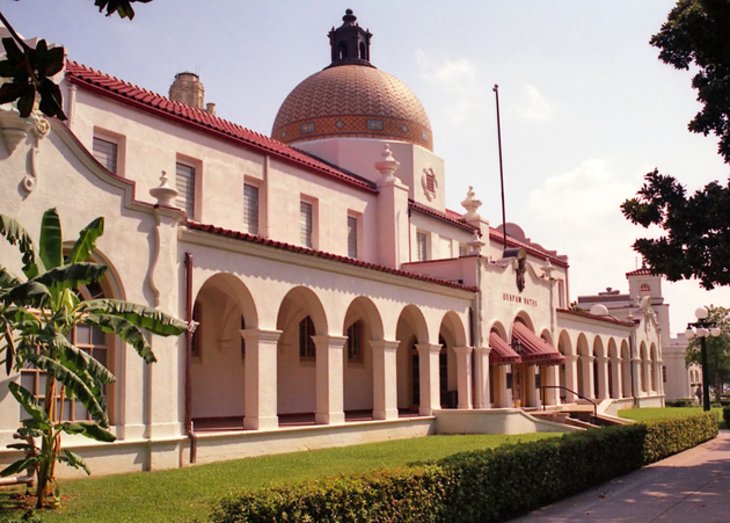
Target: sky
point(586, 106)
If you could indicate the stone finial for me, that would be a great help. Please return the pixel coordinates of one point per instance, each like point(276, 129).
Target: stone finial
point(164, 194)
point(388, 165)
point(476, 244)
point(471, 204)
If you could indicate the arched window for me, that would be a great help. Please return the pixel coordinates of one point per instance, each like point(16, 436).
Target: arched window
point(363, 51)
point(342, 50)
point(91, 340)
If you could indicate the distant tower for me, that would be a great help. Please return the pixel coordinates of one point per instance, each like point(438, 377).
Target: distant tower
point(188, 89)
point(350, 43)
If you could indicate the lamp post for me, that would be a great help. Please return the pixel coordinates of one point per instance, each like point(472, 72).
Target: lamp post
point(702, 328)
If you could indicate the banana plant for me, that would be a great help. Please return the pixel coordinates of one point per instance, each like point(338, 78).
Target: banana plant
point(37, 317)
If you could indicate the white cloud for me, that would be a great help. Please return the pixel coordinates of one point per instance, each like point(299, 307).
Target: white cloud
point(533, 106)
point(457, 82)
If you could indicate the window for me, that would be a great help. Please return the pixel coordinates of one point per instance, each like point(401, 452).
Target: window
point(561, 294)
point(354, 342)
point(306, 224)
point(251, 208)
point(185, 185)
point(90, 339)
point(375, 125)
point(307, 127)
point(306, 343)
point(105, 151)
point(422, 246)
point(352, 236)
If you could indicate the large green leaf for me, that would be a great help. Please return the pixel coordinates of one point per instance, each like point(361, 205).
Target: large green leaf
point(50, 247)
point(92, 400)
point(87, 239)
point(139, 315)
point(73, 460)
point(71, 276)
point(19, 466)
point(16, 235)
point(29, 294)
point(89, 429)
point(126, 330)
point(29, 403)
point(7, 279)
point(79, 361)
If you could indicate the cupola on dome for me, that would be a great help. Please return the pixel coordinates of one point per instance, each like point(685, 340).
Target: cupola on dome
point(352, 98)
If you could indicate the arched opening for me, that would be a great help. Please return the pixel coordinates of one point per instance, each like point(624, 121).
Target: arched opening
point(599, 369)
point(411, 331)
point(523, 374)
point(342, 51)
point(451, 335)
point(585, 387)
point(362, 326)
point(501, 359)
point(653, 364)
point(363, 51)
point(301, 317)
point(222, 308)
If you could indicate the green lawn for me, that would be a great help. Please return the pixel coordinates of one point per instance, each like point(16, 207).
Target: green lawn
point(185, 494)
point(648, 414)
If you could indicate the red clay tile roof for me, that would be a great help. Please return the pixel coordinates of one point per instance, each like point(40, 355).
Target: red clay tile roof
point(607, 319)
point(236, 235)
point(531, 248)
point(450, 217)
point(640, 272)
point(144, 99)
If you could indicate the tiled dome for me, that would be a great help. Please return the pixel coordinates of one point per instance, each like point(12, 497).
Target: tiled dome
point(352, 100)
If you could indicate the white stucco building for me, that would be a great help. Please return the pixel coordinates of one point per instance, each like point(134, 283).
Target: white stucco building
point(679, 380)
point(337, 299)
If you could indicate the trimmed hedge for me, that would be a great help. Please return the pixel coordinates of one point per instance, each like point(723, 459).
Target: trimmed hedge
point(726, 416)
point(486, 485)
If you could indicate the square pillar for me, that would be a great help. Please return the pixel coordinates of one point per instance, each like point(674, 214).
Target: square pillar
point(261, 375)
point(571, 377)
point(430, 389)
point(463, 376)
point(330, 398)
point(385, 391)
point(481, 378)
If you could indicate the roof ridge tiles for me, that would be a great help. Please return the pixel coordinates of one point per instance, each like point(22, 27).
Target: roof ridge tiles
point(156, 102)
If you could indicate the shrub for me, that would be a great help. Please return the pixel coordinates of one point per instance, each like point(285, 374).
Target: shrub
point(726, 416)
point(682, 402)
point(484, 485)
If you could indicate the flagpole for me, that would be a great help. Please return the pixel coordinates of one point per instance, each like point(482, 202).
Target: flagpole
point(501, 173)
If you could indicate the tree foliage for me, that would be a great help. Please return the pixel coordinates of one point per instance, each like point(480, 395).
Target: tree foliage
point(696, 243)
point(37, 318)
point(697, 34)
point(28, 73)
point(718, 349)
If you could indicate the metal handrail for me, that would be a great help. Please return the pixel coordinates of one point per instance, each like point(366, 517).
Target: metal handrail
point(542, 392)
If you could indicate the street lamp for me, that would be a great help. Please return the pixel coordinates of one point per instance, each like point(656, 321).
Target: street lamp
point(702, 328)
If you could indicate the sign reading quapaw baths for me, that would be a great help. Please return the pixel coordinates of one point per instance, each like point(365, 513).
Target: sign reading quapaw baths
point(514, 298)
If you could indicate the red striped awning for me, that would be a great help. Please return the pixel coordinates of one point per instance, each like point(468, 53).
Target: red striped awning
point(535, 350)
point(501, 353)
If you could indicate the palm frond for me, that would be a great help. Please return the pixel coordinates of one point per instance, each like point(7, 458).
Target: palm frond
point(15, 234)
point(141, 316)
point(87, 239)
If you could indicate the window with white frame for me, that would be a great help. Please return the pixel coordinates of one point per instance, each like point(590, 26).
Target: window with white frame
point(421, 246)
point(251, 208)
point(561, 294)
point(352, 223)
point(306, 223)
point(105, 150)
point(185, 185)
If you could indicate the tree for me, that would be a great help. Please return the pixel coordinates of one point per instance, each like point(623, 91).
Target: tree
point(697, 34)
point(697, 239)
point(718, 349)
point(28, 72)
point(37, 318)
point(696, 243)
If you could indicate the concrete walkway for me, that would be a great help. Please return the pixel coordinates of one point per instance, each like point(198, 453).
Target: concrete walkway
point(691, 486)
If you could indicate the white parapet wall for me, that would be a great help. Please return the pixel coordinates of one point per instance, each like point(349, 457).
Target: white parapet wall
point(493, 421)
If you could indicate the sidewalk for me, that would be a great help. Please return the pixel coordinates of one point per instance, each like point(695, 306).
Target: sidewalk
point(691, 486)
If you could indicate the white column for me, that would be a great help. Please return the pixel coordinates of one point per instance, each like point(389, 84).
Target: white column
point(463, 376)
point(638, 377)
point(329, 402)
point(588, 377)
point(617, 391)
point(430, 390)
point(481, 378)
point(531, 396)
point(659, 377)
point(261, 376)
point(500, 387)
point(385, 390)
point(602, 377)
point(571, 376)
point(552, 378)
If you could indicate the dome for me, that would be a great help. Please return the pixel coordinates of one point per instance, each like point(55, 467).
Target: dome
point(352, 98)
